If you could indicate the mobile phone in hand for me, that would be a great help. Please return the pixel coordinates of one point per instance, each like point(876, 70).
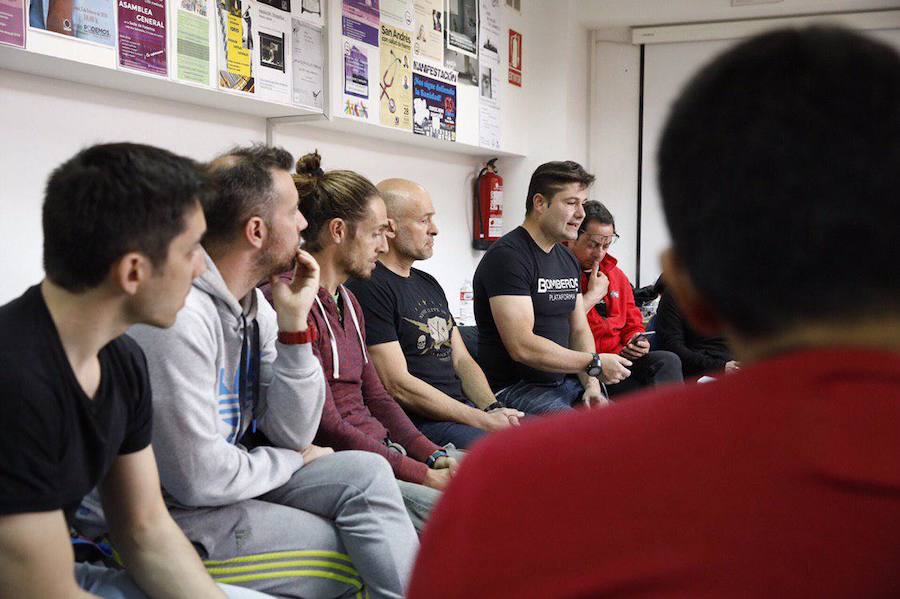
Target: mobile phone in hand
point(645, 335)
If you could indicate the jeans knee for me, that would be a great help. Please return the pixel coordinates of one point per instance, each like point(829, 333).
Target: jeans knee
point(365, 468)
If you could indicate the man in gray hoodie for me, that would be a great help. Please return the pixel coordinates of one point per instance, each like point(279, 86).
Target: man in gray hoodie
point(238, 395)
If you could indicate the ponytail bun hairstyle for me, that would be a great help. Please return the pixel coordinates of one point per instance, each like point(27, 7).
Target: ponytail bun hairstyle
point(325, 196)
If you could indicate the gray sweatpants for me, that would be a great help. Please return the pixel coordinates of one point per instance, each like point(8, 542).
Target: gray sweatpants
point(336, 527)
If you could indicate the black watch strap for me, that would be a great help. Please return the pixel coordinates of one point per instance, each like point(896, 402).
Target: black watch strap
point(494, 406)
point(433, 458)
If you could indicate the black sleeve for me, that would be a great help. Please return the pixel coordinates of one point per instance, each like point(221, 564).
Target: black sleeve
point(30, 446)
point(140, 417)
point(379, 309)
point(670, 330)
point(505, 271)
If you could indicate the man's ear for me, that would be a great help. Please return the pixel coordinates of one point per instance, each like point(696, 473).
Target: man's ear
point(337, 228)
point(539, 202)
point(129, 271)
point(391, 231)
point(256, 231)
point(693, 306)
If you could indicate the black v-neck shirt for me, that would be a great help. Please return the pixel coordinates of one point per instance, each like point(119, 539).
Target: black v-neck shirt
point(56, 443)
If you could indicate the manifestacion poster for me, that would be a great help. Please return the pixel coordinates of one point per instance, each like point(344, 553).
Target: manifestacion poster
point(192, 41)
point(397, 13)
point(89, 20)
point(12, 22)
point(434, 101)
point(428, 30)
point(234, 44)
point(142, 36)
point(360, 20)
point(271, 52)
point(395, 82)
point(308, 47)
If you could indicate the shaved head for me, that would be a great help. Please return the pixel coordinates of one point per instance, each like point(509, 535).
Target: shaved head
point(397, 194)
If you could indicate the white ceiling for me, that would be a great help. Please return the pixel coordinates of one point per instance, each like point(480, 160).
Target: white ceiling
point(597, 14)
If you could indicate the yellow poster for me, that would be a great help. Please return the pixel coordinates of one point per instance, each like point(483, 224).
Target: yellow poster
point(395, 77)
point(238, 55)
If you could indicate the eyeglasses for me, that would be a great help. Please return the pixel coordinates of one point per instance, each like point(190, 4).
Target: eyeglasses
point(604, 241)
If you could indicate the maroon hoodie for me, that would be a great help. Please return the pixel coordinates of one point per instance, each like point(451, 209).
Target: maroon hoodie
point(359, 413)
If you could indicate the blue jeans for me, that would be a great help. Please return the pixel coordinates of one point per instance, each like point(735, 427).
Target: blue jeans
point(442, 432)
point(533, 398)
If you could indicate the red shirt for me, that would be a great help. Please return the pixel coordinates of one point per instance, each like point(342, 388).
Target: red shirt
point(623, 319)
point(781, 480)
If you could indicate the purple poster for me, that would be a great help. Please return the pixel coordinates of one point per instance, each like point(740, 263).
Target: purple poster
point(12, 22)
point(356, 71)
point(142, 35)
point(360, 20)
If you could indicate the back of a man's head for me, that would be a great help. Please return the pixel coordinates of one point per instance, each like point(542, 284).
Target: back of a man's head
point(111, 199)
point(779, 168)
point(242, 188)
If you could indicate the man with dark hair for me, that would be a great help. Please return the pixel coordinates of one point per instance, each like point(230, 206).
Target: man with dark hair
point(780, 479)
point(532, 330)
point(616, 324)
point(122, 228)
point(412, 338)
point(239, 395)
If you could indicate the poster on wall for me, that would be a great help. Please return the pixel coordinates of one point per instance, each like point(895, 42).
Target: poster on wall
point(142, 36)
point(311, 10)
point(234, 44)
point(271, 52)
point(461, 19)
point(434, 101)
point(356, 79)
point(515, 58)
point(489, 106)
point(489, 30)
point(360, 20)
point(397, 13)
point(308, 47)
point(428, 30)
point(395, 97)
point(88, 20)
point(12, 22)
point(192, 41)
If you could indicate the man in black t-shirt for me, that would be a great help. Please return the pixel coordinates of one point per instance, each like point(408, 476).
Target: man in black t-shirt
point(122, 228)
point(532, 330)
point(412, 338)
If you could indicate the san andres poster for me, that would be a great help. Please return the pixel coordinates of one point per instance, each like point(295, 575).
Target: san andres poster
point(88, 20)
point(272, 53)
point(395, 97)
point(12, 22)
point(191, 51)
point(142, 36)
point(234, 44)
point(434, 101)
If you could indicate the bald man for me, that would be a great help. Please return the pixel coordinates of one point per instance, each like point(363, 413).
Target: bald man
point(412, 338)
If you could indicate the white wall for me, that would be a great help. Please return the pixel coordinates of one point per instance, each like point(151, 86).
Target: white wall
point(46, 121)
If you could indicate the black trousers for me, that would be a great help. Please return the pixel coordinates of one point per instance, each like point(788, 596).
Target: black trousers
point(650, 370)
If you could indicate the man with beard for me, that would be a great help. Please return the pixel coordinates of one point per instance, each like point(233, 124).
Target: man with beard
point(532, 331)
point(348, 230)
point(412, 338)
point(238, 397)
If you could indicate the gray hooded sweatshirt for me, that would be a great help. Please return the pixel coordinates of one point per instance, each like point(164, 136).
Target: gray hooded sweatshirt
point(198, 416)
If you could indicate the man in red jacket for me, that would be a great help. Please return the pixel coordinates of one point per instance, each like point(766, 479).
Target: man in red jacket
point(615, 321)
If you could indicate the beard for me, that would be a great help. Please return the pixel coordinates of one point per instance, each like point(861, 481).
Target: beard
point(276, 258)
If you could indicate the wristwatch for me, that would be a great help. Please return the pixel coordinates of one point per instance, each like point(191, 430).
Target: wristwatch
point(494, 406)
point(433, 458)
point(593, 368)
point(298, 337)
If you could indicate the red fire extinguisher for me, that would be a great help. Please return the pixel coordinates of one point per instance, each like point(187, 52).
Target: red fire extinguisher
point(488, 213)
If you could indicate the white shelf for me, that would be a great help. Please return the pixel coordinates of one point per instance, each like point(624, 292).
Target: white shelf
point(388, 134)
point(25, 61)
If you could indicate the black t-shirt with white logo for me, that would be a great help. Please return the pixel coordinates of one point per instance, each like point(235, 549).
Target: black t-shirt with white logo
point(516, 265)
point(57, 443)
point(412, 310)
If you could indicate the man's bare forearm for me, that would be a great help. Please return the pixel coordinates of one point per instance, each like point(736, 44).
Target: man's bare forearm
point(474, 383)
point(417, 396)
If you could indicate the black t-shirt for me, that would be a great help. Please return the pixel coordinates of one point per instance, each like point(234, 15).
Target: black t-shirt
point(516, 265)
point(56, 443)
point(412, 310)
